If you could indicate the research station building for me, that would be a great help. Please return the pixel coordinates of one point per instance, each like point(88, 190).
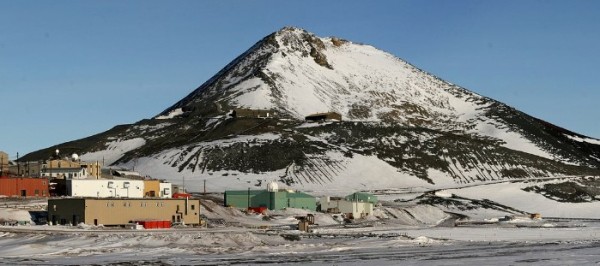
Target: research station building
point(273, 198)
point(122, 211)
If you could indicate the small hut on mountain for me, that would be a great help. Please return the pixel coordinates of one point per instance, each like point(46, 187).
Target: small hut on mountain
point(319, 117)
point(252, 113)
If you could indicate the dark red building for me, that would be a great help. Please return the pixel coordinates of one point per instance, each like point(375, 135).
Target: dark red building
point(23, 187)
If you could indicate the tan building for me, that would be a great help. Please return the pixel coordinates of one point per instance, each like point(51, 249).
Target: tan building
point(3, 163)
point(28, 169)
point(97, 211)
point(63, 169)
point(92, 169)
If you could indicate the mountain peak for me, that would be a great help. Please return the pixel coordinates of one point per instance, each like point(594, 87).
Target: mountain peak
point(395, 116)
point(291, 29)
point(292, 39)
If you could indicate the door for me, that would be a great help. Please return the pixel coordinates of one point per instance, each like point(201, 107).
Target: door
point(23, 193)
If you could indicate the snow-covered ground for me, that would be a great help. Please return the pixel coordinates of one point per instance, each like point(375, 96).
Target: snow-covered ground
point(512, 194)
point(394, 235)
point(388, 246)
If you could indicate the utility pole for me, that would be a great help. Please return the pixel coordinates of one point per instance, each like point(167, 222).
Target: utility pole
point(18, 166)
point(204, 186)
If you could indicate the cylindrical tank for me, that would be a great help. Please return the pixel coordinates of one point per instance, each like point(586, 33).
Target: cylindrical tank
point(272, 186)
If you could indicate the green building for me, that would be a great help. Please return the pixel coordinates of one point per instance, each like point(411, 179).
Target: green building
point(273, 200)
point(362, 197)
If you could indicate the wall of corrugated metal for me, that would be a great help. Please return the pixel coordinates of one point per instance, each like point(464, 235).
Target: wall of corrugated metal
point(23, 186)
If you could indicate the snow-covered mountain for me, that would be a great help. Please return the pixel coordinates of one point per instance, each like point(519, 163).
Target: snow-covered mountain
point(401, 127)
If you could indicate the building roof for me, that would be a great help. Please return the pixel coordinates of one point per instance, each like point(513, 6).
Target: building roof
point(359, 195)
point(294, 194)
point(243, 192)
point(297, 194)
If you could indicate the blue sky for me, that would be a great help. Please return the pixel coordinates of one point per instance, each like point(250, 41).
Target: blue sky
point(71, 69)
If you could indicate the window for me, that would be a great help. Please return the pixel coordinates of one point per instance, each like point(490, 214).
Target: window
point(37, 192)
point(193, 207)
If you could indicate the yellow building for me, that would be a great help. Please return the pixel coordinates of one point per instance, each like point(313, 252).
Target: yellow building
point(151, 188)
point(113, 212)
point(63, 164)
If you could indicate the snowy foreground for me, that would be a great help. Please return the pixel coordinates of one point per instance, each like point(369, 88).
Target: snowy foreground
point(379, 246)
point(432, 246)
point(397, 234)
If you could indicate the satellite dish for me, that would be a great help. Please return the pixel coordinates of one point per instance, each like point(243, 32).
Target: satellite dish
point(75, 157)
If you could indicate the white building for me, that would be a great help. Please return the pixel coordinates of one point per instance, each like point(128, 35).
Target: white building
point(65, 173)
point(353, 209)
point(166, 190)
point(105, 188)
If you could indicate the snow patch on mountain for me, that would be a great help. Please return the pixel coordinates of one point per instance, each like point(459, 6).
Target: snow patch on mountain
point(114, 150)
point(511, 139)
point(587, 140)
point(172, 114)
point(257, 95)
point(512, 194)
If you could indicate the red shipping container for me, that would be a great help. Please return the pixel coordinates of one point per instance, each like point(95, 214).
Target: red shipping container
point(153, 224)
point(166, 224)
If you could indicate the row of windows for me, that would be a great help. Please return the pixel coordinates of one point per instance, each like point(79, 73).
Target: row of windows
point(142, 204)
point(37, 192)
point(145, 204)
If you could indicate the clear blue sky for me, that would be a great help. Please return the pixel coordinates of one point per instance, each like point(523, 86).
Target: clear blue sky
point(70, 69)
